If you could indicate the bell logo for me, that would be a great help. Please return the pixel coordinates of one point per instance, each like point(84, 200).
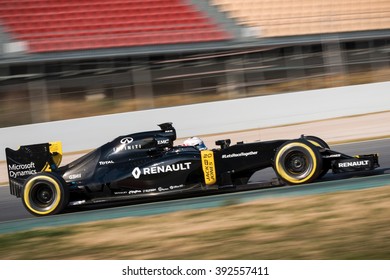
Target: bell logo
point(136, 172)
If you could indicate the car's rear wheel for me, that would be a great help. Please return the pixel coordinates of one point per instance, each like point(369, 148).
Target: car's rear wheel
point(45, 194)
point(298, 162)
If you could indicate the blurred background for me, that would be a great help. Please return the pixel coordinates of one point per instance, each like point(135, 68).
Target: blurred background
point(62, 59)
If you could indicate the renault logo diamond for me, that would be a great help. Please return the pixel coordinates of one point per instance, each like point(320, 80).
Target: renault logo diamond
point(136, 172)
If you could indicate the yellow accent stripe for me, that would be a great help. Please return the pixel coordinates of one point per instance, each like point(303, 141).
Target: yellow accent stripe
point(315, 143)
point(55, 148)
point(27, 189)
point(208, 166)
point(287, 177)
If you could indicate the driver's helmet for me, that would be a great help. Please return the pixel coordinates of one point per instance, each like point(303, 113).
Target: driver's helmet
point(195, 142)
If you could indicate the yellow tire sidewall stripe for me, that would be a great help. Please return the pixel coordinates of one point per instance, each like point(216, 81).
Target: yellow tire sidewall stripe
point(281, 171)
point(28, 187)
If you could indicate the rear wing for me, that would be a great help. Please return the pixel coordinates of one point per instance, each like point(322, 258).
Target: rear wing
point(29, 160)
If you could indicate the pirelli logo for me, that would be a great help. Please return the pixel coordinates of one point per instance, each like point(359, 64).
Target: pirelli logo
point(208, 166)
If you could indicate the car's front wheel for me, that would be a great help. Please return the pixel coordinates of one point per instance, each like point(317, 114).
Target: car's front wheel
point(45, 194)
point(298, 162)
point(316, 141)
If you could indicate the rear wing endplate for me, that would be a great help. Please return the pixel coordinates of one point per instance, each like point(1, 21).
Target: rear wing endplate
point(29, 160)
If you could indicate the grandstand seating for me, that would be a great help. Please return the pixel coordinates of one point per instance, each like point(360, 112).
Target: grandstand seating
point(62, 25)
point(301, 17)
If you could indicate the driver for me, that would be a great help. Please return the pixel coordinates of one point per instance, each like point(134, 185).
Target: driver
point(195, 142)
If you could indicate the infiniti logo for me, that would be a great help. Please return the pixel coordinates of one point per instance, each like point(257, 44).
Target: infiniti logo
point(126, 140)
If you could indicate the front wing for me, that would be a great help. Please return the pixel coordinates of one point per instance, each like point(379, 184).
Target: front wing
point(357, 163)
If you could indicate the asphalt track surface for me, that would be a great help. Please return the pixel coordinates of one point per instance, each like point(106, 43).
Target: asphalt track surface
point(13, 216)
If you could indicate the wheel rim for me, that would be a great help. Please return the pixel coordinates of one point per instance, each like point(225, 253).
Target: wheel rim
point(298, 164)
point(42, 196)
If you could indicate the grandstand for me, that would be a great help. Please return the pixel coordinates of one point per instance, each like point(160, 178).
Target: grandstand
point(73, 25)
point(302, 17)
point(62, 59)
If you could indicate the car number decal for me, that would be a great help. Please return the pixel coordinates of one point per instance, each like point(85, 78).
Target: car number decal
point(208, 167)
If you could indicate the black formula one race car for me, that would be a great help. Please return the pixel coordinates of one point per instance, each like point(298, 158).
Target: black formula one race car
point(147, 164)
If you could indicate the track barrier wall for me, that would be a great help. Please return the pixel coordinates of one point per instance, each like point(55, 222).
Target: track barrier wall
point(206, 118)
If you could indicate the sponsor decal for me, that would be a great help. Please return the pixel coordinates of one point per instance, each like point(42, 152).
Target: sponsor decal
point(353, 163)
point(122, 192)
point(74, 176)
point(128, 192)
point(137, 172)
point(208, 167)
point(134, 191)
point(106, 162)
point(176, 187)
point(161, 189)
point(163, 142)
point(242, 154)
point(127, 147)
point(18, 170)
point(149, 190)
point(127, 140)
point(332, 156)
point(79, 202)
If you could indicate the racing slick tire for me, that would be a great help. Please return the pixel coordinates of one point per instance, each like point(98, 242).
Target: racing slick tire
point(45, 194)
point(298, 162)
point(316, 141)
